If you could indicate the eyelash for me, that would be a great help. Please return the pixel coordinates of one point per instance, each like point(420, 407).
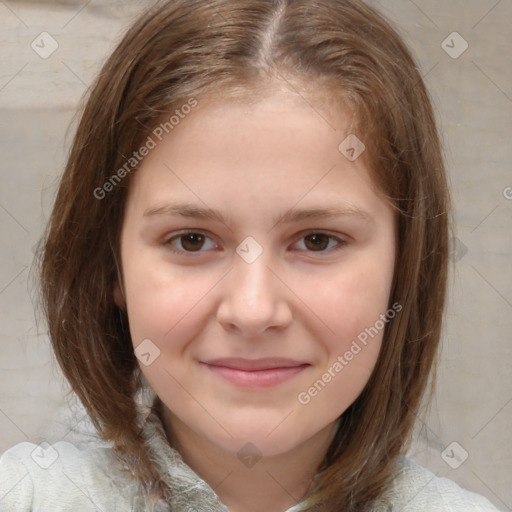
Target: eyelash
point(168, 242)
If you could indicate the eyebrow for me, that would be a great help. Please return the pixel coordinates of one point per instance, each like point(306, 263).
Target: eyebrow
point(185, 210)
point(292, 215)
point(194, 212)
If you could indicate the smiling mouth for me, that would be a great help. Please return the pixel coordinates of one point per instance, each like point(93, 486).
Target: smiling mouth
point(255, 373)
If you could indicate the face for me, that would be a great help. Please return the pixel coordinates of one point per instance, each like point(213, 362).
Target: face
point(257, 265)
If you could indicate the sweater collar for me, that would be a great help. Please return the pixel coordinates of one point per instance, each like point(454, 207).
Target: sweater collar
point(186, 490)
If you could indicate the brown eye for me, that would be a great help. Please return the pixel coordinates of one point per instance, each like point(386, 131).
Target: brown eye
point(320, 242)
point(317, 241)
point(192, 241)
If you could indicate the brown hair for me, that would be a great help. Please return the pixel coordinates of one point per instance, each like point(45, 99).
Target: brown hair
point(185, 49)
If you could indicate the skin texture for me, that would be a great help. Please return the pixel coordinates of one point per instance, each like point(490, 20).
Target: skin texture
point(253, 162)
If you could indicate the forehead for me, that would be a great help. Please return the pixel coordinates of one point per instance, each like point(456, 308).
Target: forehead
point(279, 147)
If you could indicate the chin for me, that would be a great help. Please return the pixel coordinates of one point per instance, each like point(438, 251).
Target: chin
point(256, 435)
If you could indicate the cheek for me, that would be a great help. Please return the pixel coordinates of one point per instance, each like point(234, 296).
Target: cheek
point(352, 305)
point(352, 300)
point(161, 303)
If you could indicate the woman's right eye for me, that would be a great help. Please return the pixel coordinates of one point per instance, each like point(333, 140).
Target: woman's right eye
point(190, 242)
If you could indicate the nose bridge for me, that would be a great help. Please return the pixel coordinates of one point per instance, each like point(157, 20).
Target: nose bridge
point(253, 298)
point(253, 283)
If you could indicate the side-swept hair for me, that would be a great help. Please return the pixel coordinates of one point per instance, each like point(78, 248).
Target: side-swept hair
point(183, 49)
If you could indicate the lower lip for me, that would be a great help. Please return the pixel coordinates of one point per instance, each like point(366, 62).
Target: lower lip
point(257, 378)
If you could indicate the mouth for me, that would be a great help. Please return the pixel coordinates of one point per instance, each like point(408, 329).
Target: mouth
point(255, 373)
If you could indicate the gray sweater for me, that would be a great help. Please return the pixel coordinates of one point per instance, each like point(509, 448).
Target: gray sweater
point(62, 478)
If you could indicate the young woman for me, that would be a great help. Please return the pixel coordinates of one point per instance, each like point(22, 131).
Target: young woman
point(244, 273)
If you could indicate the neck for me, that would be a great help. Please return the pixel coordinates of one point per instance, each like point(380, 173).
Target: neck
point(244, 482)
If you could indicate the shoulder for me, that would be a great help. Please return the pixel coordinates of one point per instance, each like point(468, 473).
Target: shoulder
point(416, 488)
point(60, 477)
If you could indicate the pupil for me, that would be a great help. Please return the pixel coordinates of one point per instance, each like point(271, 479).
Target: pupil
point(192, 241)
point(319, 241)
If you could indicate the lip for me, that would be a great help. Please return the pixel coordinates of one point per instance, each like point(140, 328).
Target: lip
point(267, 363)
point(255, 373)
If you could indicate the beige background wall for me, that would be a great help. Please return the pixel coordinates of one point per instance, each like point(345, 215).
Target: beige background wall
point(473, 94)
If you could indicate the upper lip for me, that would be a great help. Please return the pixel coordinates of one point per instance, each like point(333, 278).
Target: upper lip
point(268, 363)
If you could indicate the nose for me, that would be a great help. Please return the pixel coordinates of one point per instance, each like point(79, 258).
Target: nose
point(254, 300)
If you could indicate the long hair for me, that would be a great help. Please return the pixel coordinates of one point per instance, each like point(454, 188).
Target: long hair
point(183, 50)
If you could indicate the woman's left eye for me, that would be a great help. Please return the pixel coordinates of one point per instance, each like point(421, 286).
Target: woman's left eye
point(321, 242)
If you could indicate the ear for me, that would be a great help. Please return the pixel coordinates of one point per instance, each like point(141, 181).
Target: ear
point(119, 296)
